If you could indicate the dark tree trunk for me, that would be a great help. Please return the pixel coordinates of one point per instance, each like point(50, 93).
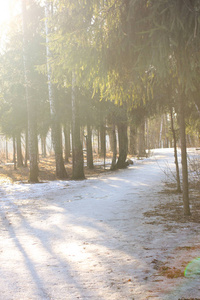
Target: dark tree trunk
point(133, 140)
point(19, 151)
point(44, 146)
point(98, 132)
point(166, 127)
point(184, 155)
point(114, 147)
point(31, 109)
point(14, 153)
point(77, 150)
point(141, 140)
point(66, 130)
point(175, 152)
point(33, 154)
point(57, 144)
point(123, 141)
point(110, 134)
point(26, 149)
point(102, 140)
point(90, 164)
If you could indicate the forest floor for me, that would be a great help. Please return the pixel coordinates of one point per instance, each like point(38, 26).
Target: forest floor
point(116, 235)
point(47, 169)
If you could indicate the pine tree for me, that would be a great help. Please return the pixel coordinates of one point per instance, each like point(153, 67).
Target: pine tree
point(55, 124)
point(31, 105)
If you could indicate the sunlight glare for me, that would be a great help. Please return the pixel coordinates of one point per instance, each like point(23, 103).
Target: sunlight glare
point(4, 11)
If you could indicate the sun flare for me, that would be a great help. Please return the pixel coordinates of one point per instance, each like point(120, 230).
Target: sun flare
point(5, 11)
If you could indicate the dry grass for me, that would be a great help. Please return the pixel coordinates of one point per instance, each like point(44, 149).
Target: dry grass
point(47, 171)
point(171, 272)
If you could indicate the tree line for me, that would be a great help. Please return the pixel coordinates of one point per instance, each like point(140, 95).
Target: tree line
point(111, 64)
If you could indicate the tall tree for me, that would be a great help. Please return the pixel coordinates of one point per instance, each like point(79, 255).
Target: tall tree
point(31, 108)
point(123, 138)
point(77, 149)
point(175, 151)
point(55, 124)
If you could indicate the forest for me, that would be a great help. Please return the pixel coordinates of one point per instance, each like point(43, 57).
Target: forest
point(106, 77)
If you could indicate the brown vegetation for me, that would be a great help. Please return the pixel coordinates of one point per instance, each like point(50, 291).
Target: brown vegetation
point(47, 171)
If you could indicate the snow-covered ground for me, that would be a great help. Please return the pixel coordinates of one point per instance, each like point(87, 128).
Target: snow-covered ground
point(90, 239)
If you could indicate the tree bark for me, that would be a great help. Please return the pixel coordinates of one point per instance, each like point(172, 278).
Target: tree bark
point(66, 131)
point(90, 164)
point(44, 146)
point(77, 150)
point(98, 140)
point(26, 148)
point(141, 140)
point(123, 140)
point(19, 151)
point(102, 140)
point(31, 109)
point(14, 153)
point(114, 147)
point(184, 155)
point(161, 131)
point(175, 153)
point(132, 139)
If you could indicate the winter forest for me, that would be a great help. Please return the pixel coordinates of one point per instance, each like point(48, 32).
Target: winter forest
point(98, 76)
point(88, 87)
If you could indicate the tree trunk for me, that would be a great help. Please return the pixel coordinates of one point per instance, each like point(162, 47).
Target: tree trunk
point(184, 155)
point(175, 153)
point(44, 146)
point(14, 153)
point(110, 134)
point(31, 109)
point(114, 148)
point(66, 130)
point(98, 136)
point(141, 141)
point(57, 145)
point(166, 128)
point(77, 150)
point(123, 141)
point(55, 124)
point(160, 135)
point(102, 140)
point(19, 151)
point(132, 139)
point(26, 149)
point(90, 164)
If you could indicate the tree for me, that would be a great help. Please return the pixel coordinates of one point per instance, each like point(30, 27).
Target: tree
point(123, 138)
point(55, 124)
point(31, 105)
point(176, 32)
point(77, 150)
point(175, 150)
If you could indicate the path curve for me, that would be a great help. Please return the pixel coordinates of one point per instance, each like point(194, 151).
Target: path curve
point(90, 239)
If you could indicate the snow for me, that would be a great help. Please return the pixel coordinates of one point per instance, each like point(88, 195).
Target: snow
point(90, 239)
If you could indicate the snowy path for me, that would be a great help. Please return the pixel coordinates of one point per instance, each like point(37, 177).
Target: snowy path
point(71, 240)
